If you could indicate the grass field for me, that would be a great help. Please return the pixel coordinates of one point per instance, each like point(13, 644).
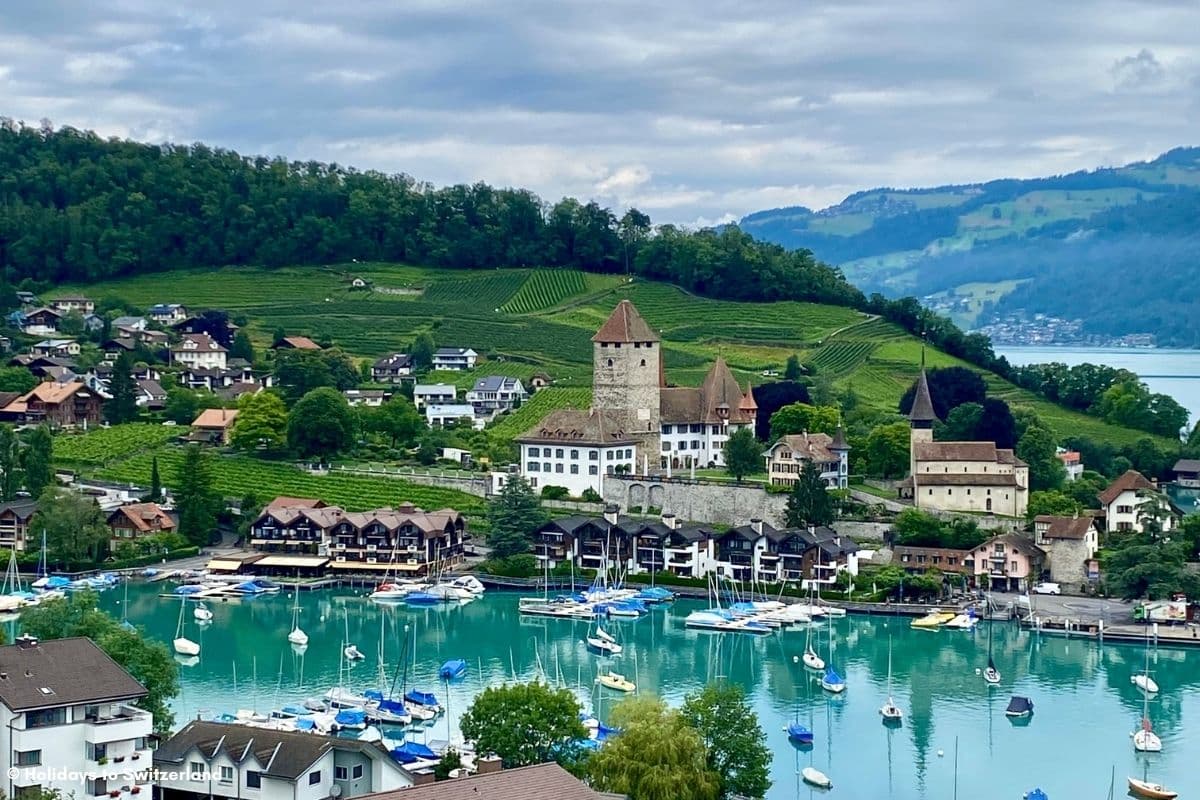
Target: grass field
point(524, 321)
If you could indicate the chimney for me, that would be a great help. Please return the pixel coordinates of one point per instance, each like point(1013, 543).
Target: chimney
point(756, 524)
point(422, 778)
point(668, 519)
point(487, 765)
point(610, 513)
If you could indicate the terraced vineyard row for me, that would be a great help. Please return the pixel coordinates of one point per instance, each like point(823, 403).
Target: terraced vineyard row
point(839, 357)
point(545, 288)
point(102, 445)
point(486, 292)
point(541, 404)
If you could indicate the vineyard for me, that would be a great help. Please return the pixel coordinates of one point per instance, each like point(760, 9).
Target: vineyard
point(545, 289)
point(487, 292)
point(541, 404)
point(840, 357)
point(103, 445)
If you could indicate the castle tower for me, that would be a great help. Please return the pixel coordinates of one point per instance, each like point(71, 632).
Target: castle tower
point(920, 420)
point(627, 375)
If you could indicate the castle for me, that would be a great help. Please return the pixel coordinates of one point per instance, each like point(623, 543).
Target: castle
point(637, 423)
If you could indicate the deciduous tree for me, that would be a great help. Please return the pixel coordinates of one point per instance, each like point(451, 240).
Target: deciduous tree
point(726, 722)
point(792, 371)
point(743, 454)
point(262, 421)
point(321, 424)
point(397, 419)
point(801, 417)
point(10, 462)
point(242, 347)
point(74, 526)
point(523, 723)
point(422, 352)
point(887, 450)
point(1037, 448)
point(809, 502)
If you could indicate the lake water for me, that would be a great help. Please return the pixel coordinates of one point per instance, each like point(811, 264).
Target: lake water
point(1172, 372)
point(1085, 704)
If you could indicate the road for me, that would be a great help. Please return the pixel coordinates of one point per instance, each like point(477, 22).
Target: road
point(1081, 609)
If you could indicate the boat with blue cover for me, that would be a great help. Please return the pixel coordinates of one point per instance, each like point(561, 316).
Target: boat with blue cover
point(1036, 794)
point(422, 599)
point(799, 734)
point(453, 669)
point(353, 718)
point(410, 752)
point(423, 699)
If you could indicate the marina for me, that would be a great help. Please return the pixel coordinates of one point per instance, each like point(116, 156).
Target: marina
point(935, 683)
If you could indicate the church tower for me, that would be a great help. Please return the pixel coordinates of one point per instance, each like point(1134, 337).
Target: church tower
point(920, 419)
point(627, 375)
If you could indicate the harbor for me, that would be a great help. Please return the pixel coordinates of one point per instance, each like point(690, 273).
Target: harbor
point(1076, 684)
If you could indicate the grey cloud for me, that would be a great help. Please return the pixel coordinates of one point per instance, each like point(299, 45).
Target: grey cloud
point(693, 111)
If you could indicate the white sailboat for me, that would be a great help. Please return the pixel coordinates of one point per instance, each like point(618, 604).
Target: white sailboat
point(811, 659)
point(602, 642)
point(202, 613)
point(349, 649)
point(991, 674)
point(890, 711)
point(297, 636)
point(183, 645)
point(1143, 681)
point(1145, 740)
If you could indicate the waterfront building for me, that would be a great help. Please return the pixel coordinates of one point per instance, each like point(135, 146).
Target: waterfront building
point(1010, 562)
point(14, 523)
point(137, 520)
point(1070, 543)
point(787, 457)
point(1121, 503)
point(66, 707)
point(916, 560)
point(219, 760)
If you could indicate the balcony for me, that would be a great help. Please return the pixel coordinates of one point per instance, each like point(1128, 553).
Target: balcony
point(739, 558)
point(765, 556)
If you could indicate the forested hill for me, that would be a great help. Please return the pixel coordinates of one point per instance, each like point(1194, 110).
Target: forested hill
point(1053, 245)
point(76, 207)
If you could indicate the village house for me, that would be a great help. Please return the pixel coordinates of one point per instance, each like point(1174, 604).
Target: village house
point(93, 323)
point(1070, 544)
point(1187, 472)
point(130, 324)
point(27, 298)
point(455, 358)
point(496, 393)
point(113, 348)
point(55, 348)
point(1008, 562)
point(198, 350)
point(371, 398)
point(137, 520)
point(1122, 503)
point(392, 368)
point(223, 760)
point(151, 395)
point(62, 405)
point(41, 322)
point(915, 560)
point(168, 313)
point(1072, 462)
point(214, 426)
point(831, 454)
point(546, 781)
point(66, 705)
point(73, 302)
point(441, 415)
point(426, 393)
point(295, 343)
point(14, 524)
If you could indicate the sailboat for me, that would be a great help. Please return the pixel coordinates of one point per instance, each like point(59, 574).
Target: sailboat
point(991, 674)
point(799, 734)
point(811, 659)
point(614, 680)
point(349, 649)
point(1144, 681)
point(1148, 788)
point(602, 642)
point(297, 636)
point(831, 681)
point(810, 774)
point(1146, 740)
point(183, 645)
point(202, 613)
point(890, 711)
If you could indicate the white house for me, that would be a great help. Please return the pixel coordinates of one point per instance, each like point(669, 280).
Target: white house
point(426, 393)
point(168, 313)
point(73, 302)
point(455, 358)
point(1121, 503)
point(1072, 462)
point(65, 706)
point(439, 415)
point(213, 759)
point(787, 457)
point(198, 350)
point(372, 398)
point(392, 368)
point(576, 451)
point(56, 348)
point(496, 393)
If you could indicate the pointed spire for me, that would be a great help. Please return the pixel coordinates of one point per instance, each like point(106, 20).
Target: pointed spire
point(748, 403)
point(922, 407)
point(625, 325)
point(839, 439)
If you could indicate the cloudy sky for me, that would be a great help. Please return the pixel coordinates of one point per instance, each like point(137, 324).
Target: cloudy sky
point(693, 111)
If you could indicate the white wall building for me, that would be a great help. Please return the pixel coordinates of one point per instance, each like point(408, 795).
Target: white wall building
point(455, 358)
point(426, 393)
point(66, 706)
point(1122, 504)
point(579, 463)
point(496, 393)
point(439, 415)
point(198, 350)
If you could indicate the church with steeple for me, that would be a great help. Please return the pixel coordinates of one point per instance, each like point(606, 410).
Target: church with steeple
point(959, 476)
point(637, 423)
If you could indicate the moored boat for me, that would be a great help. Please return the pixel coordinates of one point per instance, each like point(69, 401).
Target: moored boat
point(453, 670)
point(814, 777)
point(1155, 791)
point(1019, 707)
point(616, 681)
point(799, 734)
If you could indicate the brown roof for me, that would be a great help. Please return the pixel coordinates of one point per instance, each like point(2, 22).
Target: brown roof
point(1131, 481)
point(202, 341)
point(966, 479)
point(1014, 540)
point(719, 392)
point(283, 501)
point(537, 782)
point(624, 325)
point(391, 518)
point(808, 446)
point(966, 451)
point(922, 407)
point(62, 672)
point(215, 418)
point(748, 403)
point(1064, 527)
point(143, 516)
point(569, 426)
point(298, 343)
point(52, 392)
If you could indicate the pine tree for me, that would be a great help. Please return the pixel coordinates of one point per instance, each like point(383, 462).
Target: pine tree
point(123, 405)
point(155, 481)
point(809, 502)
point(37, 459)
point(515, 514)
point(195, 496)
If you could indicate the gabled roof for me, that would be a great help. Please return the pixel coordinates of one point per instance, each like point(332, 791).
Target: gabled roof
point(62, 672)
point(569, 426)
point(495, 383)
point(23, 509)
point(53, 393)
point(1022, 544)
point(394, 361)
point(215, 418)
point(922, 407)
point(453, 352)
point(966, 451)
point(1131, 481)
point(201, 342)
point(625, 325)
point(1187, 465)
point(144, 517)
point(718, 398)
point(297, 343)
point(283, 501)
point(538, 782)
point(1064, 527)
point(807, 447)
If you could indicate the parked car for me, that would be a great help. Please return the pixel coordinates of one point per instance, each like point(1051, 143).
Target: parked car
point(1047, 588)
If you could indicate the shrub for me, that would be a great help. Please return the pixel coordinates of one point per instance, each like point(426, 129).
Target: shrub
point(518, 566)
point(591, 495)
point(555, 492)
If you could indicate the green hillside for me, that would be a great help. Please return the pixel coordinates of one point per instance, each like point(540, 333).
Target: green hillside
point(527, 320)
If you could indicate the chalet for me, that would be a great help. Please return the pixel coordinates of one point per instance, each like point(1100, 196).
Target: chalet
point(797, 554)
point(915, 560)
point(93, 323)
point(48, 367)
point(14, 524)
point(59, 348)
point(735, 552)
point(496, 393)
point(198, 350)
point(295, 343)
point(129, 323)
point(1121, 503)
point(787, 457)
point(113, 348)
point(168, 313)
point(73, 302)
point(138, 520)
point(201, 325)
point(41, 321)
point(27, 298)
point(63, 405)
point(1070, 543)
point(151, 395)
point(1187, 472)
point(214, 425)
point(455, 358)
point(425, 393)
point(236, 389)
point(1008, 562)
point(392, 368)
point(667, 544)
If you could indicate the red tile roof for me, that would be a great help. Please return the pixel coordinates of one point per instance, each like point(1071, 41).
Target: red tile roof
point(625, 325)
point(1131, 481)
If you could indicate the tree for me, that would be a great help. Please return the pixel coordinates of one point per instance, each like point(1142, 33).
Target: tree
point(997, 424)
point(523, 723)
point(182, 406)
point(809, 502)
point(249, 509)
point(72, 323)
point(146, 659)
point(37, 460)
point(1154, 514)
point(961, 423)
point(16, 379)
point(771, 397)
point(397, 419)
point(123, 405)
point(321, 424)
point(195, 496)
point(74, 526)
point(299, 372)
point(887, 450)
point(10, 462)
point(449, 762)
point(515, 513)
point(242, 347)
point(422, 352)
point(802, 417)
point(262, 421)
point(743, 454)
point(948, 387)
point(215, 323)
point(792, 371)
point(726, 722)
point(1051, 502)
point(1037, 448)
point(155, 482)
point(658, 756)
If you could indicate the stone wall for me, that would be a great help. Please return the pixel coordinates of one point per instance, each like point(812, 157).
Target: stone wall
point(698, 501)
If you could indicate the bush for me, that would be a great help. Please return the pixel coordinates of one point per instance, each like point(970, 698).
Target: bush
point(518, 566)
point(555, 493)
point(591, 495)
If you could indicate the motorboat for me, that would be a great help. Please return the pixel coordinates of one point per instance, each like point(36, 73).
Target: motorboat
point(814, 777)
point(453, 670)
point(315, 704)
point(202, 613)
point(396, 590)
point(963, 622)
point(1155, 791)
point(832, 682)
point(449, 593)
point(469, 583)
point(991, 674)
point(354, 719)
point(337, 697)
point(352, 653)
point(1145, 683)
point(410, 753)
point(616, 681)
point(933, 620)
point(422, 599)
point(1019, 707)
point(799, 734)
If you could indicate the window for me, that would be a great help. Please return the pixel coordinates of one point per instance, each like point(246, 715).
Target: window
point(1124, 509)
point(666, 447)
point(558, 468)
point(545, 466)
point(906, 558)
point(697, 429)
point(593, 455)
point(949, 492)
point(95, 787)
point(45, 718)
point(629, 452)
point(196, 770)
point(532, 466)
point(357, 772)
point(226, 774)
point(1014, 566)
point(610, 362)
point(28, 792)
point(314, 777)
point(593, 470)
point(253, 780)
point(574, 469)
point(666, 429)
point(28, 758)
point(340, 773)
point(533, 452)
point(643, 362)
point(574, 455)
point(558, 453)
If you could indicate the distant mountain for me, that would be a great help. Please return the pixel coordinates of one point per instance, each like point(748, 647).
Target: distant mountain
point(1116, 248)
